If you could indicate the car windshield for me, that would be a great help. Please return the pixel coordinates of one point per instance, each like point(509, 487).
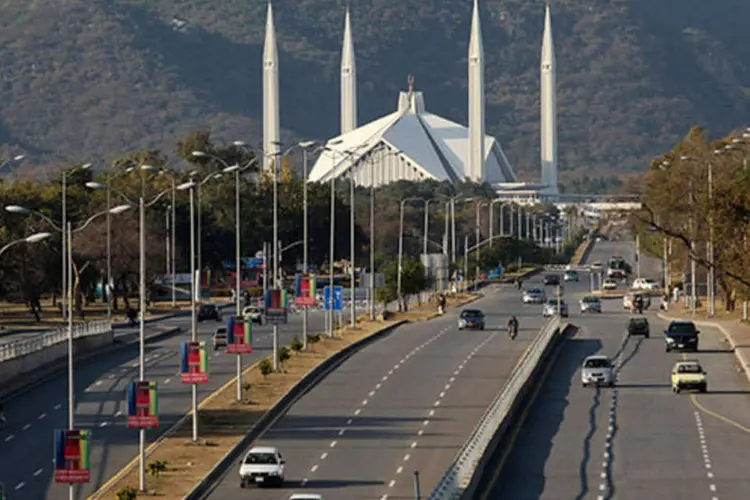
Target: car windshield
point(208, 308)
point(686, 327)
point(571, 273)
point(639, 322)
point(221, 331)
point(261, 458)
point(534, 291)
point(597, 363)
point(553, 302)
point(692, 368)
point(472, 313)
point(590, 300)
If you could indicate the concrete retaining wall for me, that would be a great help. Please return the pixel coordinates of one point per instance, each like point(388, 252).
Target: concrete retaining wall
point(19, 367)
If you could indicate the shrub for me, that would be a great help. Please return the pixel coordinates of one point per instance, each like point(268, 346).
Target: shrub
point(127, 493)
point(156, 467)
point(265, 367)
point(284, 355)
point(297, 344)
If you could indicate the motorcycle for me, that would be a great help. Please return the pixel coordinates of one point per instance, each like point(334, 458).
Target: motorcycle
point(512, 331)
point(441, 310)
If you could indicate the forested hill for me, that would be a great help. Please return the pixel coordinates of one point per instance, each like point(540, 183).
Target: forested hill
point(90, 80)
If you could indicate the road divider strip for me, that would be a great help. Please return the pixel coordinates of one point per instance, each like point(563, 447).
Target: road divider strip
point(462, 479)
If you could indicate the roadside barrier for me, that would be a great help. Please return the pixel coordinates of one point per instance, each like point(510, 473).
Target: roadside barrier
point(37, 342)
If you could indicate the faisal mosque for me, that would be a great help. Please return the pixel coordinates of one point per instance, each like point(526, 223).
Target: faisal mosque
point(413, 144)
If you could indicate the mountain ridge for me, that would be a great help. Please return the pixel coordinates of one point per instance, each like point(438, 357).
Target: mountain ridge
point(94, 80)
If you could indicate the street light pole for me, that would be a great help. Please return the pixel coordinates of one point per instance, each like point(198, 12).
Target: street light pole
point(304, 147)
point(352, 276)
point(64, 243)
point(68, 263)
point(276, 160)
point(711, 269)
point(142, 325)
point(372, 245)
point(108, 289)
point(400, 253)
point(174, 245)
point(193, 305)
point(237, 269)
point(332, 251)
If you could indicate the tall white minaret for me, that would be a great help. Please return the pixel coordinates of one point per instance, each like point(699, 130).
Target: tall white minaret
point(271, 134)
point(548, 108)
point(348, 80)
point(476, 99)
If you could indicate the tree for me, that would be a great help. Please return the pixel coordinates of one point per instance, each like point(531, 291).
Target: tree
point(413, 279)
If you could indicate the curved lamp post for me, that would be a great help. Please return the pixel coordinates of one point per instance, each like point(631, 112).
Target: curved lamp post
point(142, 205)
point(34, 238)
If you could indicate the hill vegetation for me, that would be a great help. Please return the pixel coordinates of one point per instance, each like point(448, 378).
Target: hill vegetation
point(92, 80)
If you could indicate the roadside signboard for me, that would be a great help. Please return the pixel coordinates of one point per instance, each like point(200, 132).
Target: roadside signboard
point(239, 335)
point(276, 307)
point(194, 363)
point(72, 456)
point(305, 290)
point(338, 298)
point(143, 404)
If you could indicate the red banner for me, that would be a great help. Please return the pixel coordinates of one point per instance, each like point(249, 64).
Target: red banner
point(72, 476)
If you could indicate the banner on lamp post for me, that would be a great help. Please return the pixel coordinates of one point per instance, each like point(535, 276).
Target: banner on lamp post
point(143, 404)
point(276, 307)
point(194, 363)
point(72, 456)
point(239, 335)
point(305, 290)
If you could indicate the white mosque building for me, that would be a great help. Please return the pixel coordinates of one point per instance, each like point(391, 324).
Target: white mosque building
point(414, 144)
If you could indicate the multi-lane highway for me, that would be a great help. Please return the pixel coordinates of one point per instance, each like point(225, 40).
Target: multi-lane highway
point(406, 403)
point(26, 442)
point(638, 440)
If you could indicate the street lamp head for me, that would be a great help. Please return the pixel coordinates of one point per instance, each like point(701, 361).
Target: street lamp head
point(130, 170)
point(277, 143)
point(199, 154)
point(306, 144)
point(239, 144)
point(186, 186)
point(746, 135)
point(95, 185)
point(17, 209)
point(231, 169)
point(85, 166)
point(737, 140)
point(19, 157)
point(686, 158)
point(149, 168)
point(335, 142)
point(119, 209)
point(37, 237)
point(718, 152)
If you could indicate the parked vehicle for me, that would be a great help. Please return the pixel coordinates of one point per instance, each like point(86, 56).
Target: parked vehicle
point(209, 311)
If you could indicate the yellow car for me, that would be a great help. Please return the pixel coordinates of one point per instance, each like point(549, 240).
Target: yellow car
point(688, 374)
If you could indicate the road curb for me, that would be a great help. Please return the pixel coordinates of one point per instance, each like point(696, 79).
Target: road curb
point(59, 366)
point(265, 422)
point(740, 353)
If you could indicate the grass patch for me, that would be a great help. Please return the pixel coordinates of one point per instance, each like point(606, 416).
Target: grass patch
point(223, 421)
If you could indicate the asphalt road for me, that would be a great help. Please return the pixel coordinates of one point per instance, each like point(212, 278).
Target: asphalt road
point(638, 440)
point(405, 403)
point(101, 406)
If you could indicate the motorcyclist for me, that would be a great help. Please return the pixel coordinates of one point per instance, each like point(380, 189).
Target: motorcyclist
point(132, 315)
point(3, 420)
point(519, 283)
point(638, 303)
point(441, 303)
point(513, 326)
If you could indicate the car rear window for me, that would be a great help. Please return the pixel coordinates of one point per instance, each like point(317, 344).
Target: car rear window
point(472, 313)
point(261, 458)
point(597, 363)
point(689, 369)
point(590, 300)
point(683, 328)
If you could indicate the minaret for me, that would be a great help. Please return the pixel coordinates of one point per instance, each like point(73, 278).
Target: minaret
point(348, 80)
point(475, 171)
point(270, 92)
point(548, 103)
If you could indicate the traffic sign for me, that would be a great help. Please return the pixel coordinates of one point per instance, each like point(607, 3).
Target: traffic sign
point(338, 298)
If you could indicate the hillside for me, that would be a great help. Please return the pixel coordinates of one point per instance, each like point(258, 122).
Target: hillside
point(87, 80)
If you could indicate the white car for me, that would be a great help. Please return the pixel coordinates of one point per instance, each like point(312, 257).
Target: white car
point(609, 285)
point(597, 371)
point(255, 313)
point(262, 465)
point(645, 284)
point(306, 496)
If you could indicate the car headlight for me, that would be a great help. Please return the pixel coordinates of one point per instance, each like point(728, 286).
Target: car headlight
point(670, 340)
point(462, 322)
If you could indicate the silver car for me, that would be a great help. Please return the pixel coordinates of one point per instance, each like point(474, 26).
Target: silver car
point(590, 304)
point(534, 296)
point(597, 371)
point(550, 308)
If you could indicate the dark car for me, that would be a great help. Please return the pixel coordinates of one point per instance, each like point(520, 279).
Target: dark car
point(681, 336)
point(209, 311)
point(552, 280)
point(639, 326)
point(471, 318)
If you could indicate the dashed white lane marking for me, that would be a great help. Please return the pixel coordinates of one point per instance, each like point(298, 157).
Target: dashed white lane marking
point(42, 416)
point(99, 382)
point(348, 422)
point(323, 456)
point(304, 481)
point(314, 468)
point(57, 406)
point(166, 381)
point(407, 457)
point(20, 485)
point(37, 472)
point(399, 470)
point(704, 452)
point(9, 438)
point(384, 497)
point(27, 427)
point(413, 444)
point(104, 424)
point(118, 413)
point(333, 444)
point(111, 376)
point(341, 432)
point(357, 411)
point(371, 393)
point(393, 481)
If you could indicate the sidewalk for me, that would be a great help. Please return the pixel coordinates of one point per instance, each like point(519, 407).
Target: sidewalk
point(736, 333)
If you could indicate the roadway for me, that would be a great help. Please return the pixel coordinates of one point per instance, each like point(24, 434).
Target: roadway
point(405, 403)
point(101, 405)
point(638, 440)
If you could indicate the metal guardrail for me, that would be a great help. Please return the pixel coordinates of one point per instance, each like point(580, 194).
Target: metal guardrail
point(35, 343)
point(462, 469)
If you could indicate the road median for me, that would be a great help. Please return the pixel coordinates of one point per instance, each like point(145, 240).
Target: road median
point(228, 426)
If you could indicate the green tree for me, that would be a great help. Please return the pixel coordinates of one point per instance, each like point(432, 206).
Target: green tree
point(413, 279)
